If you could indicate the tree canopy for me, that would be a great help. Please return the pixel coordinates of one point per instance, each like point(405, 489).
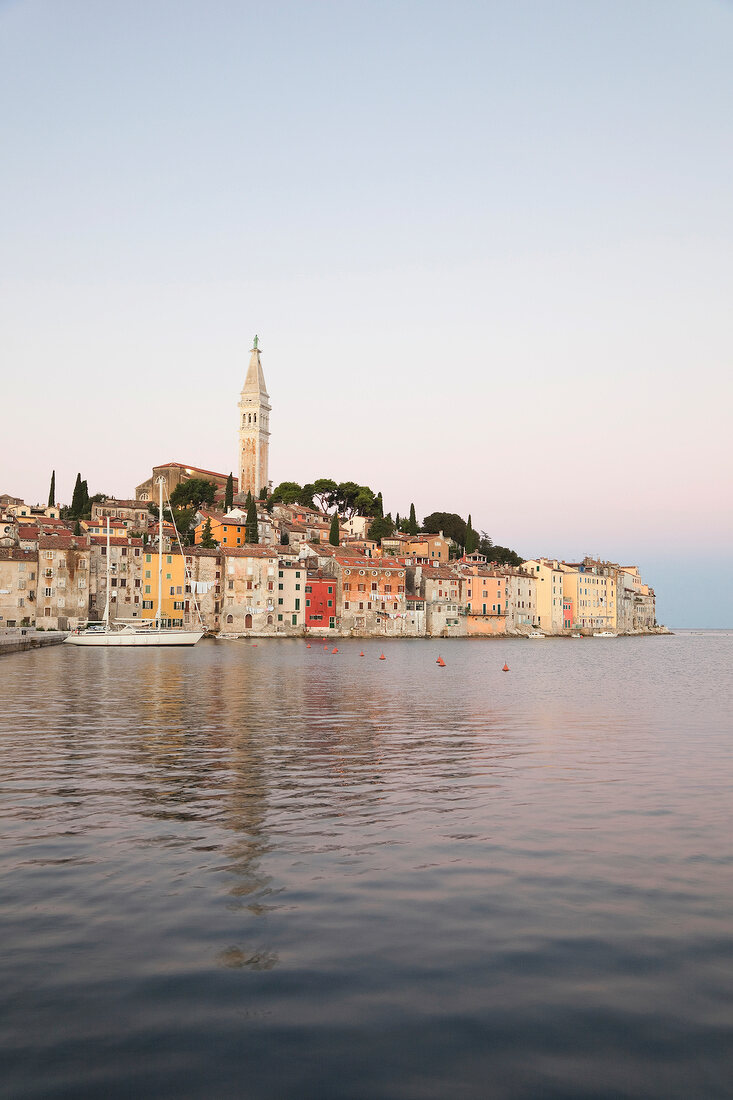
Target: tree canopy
point(193, 493)
point(449, 523)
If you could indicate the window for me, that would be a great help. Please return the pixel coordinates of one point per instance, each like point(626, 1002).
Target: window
point(346, 605)
point(47, 592)
point(147, 587)
point(297, 605)
point(330, 603)
point(295, 620)
point(147, 605)
point(147, 557)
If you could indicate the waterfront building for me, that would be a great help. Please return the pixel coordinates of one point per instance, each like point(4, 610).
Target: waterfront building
point(635, 601)
point(203, 588)
point(370, 595)
point(425, 549)
point(522, 602)
point(62, 595)
point(320, 601)
point(173, 590)
point(486, 594)
point(254, 428)
point(18, 586)
point(291, 608)
point(549, 593)
point(249, 596)
point(445, 607)
point(126, 570)
point(591, 587)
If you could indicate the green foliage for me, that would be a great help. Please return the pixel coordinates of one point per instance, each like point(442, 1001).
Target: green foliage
point(471, 537)
point(324, 493)
point(52, 490)
point(193, 493)
point(449, 523)
point(284, 538)
point(502, 555)
point(251, 532)
point(333, 534)
point(412, 527)
point(229, 493)
point(306, 496)
point(80, 502)
point(378, 506)
point(77, 528)
point(380, 528)
point(287, 492)
point(207, 539)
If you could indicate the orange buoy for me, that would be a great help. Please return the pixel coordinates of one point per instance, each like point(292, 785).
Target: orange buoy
point(440, 662)
point(326, 648)
point(308, 645)
point(382, 657)
point(362, 653)
point(334, 650)
point(505, 668)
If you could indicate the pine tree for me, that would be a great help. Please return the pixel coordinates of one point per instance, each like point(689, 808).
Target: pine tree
point(333, 534)
point(52, 490)
point(229, 494)
point(251, 532)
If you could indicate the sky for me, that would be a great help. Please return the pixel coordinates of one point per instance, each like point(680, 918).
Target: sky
point(486, 248)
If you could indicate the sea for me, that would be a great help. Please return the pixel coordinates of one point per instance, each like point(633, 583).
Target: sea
point(274, 870)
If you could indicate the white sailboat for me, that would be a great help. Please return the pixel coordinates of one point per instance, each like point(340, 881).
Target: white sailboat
point(136, 632)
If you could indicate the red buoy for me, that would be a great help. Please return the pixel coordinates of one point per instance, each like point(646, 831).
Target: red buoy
point(308, 645)
point(505, 668)
point(440, 662)
point(362, 653)
point(382, 657)
point(334, 650)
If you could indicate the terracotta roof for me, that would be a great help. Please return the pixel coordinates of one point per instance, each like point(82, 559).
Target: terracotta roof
point(202, 551)
point(251, 550)
point(28, 531)
point(114, 540)
point(14, 553)
point(63, 542)
point(195, 469)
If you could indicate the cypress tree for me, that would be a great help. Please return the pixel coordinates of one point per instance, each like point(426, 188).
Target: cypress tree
point(412, 525)
point(229, 493)
point(86, 502)
point(333, 534)
point(77, 528)
point(207, 539)
point(378, 506)
point(471, 537)
point(76, 498)
point(251, 532)
point(52, 490)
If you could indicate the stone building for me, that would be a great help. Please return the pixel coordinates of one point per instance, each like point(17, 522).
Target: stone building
point(126, 572)
point(549, 590)
point(371, 595)
point(18, 586)
point(254, 428)
point(203, 588)
point(174, 473)
point(445, 606)
point(62, 595)
point(249, 600)
point(133, 514)
point(522, 609)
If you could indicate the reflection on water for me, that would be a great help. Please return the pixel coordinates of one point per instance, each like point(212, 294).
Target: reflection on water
point(326, 875)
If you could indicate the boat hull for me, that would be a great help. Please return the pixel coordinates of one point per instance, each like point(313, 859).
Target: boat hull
point(143, 638)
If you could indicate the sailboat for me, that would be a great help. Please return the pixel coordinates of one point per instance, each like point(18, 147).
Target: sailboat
point(136, 632)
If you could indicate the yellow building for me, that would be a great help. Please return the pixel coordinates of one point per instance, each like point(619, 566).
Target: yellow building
point(173, 588)
point(591, 586)
point(549, 578)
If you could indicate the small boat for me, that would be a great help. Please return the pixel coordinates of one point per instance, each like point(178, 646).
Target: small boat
point(604, 634)
point(576, 635)
point(536, 634)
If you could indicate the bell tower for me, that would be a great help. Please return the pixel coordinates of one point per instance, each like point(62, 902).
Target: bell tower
point(254, 427)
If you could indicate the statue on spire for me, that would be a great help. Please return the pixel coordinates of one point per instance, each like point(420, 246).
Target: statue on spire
point(255, 343)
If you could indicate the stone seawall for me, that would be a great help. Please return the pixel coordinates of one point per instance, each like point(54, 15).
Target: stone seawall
point(15, 641)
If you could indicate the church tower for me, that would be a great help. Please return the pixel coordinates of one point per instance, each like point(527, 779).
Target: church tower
point(254, 428)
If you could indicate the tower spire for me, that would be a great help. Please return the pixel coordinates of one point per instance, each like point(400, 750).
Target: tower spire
point(254, 427)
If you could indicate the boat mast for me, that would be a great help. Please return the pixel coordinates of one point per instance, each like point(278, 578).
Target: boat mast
point(109, 571)
point(160, 550)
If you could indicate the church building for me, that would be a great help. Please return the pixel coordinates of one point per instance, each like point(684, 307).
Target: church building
point(254, 428)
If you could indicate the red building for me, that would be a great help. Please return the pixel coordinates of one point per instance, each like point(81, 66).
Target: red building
point(320, 602)
point(567, 612)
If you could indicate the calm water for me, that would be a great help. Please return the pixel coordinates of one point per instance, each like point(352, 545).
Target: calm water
point(272, 871)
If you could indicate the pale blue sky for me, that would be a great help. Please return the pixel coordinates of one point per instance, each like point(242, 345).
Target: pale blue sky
point(486, 246)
